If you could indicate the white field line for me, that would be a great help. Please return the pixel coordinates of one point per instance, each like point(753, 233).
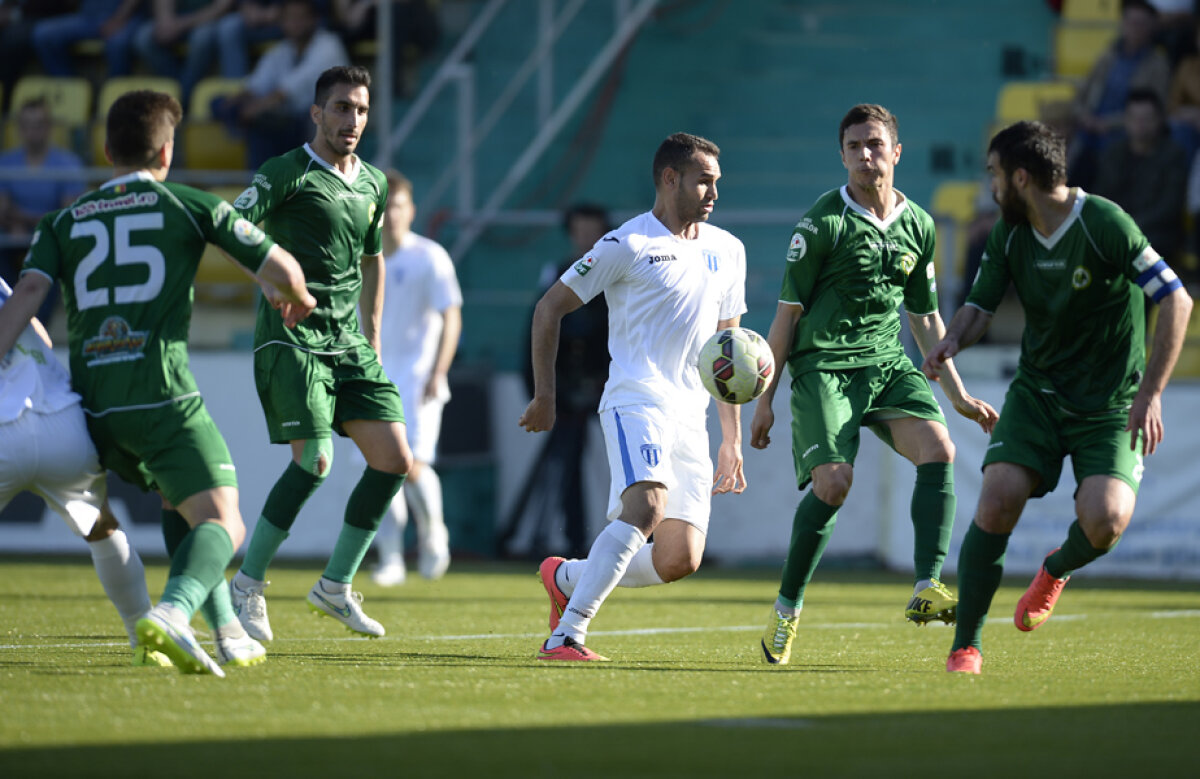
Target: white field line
point(1182, 613)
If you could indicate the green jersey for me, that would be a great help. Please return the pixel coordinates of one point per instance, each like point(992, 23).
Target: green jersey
point(328, 220)
point(851, 271)
point(127, 255)
point(1084, 338)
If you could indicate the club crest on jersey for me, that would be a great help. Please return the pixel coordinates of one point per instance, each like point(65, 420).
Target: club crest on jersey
point(712, 260)
point(907, 262)
point(651, 454)
point(586, 264)
point(247, 199)
point(1081, 278)
point(115, 342)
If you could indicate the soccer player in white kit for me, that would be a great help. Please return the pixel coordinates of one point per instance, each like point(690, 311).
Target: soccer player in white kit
point(670, 280)
point(45, 448)
point(422, 317)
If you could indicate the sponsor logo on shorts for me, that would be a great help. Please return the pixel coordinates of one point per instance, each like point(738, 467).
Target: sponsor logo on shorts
point(809, 450)
point(291, 423)
point(651, 454)
point(226, 467)
point(995, 445)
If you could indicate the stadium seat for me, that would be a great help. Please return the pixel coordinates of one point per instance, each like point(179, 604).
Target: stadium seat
point(1027, 99)
point(70, 101)
point(206, 143)
point(1078, 46)
point(955, 200)
point(112, 89)
point(1091, 11)
point(217, 280)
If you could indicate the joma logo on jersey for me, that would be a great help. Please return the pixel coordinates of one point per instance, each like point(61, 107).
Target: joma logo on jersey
point(651, 454)
point(1050, 264)
point(878, 246)
point(654, 259)
point(114, 343)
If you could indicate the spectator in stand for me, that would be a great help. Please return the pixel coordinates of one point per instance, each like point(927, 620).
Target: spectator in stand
point(1176, 19)
point(1183, 103)
point(273, 109)
point(1145, 173)
point(24, 201)
point(115, 21)
point(17, 18)
point(1133, 62)
point(415, 27)
point(174, 22)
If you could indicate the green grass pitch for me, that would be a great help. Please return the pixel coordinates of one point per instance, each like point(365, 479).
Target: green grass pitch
point(1109, 687)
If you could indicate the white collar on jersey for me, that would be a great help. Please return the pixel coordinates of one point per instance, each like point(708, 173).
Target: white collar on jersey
point(1049, 241)
point(355, 165)
point(137, 175)
point(882, 224)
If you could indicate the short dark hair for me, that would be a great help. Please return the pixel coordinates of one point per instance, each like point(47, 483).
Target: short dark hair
point(869, 112)
point(138, 125)
point(1129, 5)
point(1146, 95)
point(36, 103)
point(676, 151)
point(1035, 147)
point(587, 211)
point(397, 182)
point(339, 74)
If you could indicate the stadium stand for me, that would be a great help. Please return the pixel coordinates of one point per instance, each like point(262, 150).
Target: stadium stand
point(1019, 100)
point(1091, 11)
point(70, 101)
point(1077, 46)
point(207, 144)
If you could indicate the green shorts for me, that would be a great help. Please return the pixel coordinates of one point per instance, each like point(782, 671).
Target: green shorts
point(175, 450)
point(829, 408)
point(306, 395)
point(1035, 432)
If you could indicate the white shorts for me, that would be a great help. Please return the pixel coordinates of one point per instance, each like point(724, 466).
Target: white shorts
point(423, 427)
point(644, 444)
point(52, 456)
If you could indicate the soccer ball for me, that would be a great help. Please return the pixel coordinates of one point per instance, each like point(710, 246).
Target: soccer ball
point(736, 365)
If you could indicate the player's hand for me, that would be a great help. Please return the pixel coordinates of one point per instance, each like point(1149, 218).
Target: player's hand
point(1145, 417)
point(761, 424)
point(433, 387)
point(729, 476)
point(935, 361)
point(979, 410)
point(291, 311)
point(538, 416)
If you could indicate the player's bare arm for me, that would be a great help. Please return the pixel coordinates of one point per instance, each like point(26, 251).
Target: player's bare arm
point(19, 309)
point(447, 346)
point(558, 301)
point(729, 476)
point(371, 301)
point(929, 332)
point(968, 326)
point(779, 337)
point(1145, 415)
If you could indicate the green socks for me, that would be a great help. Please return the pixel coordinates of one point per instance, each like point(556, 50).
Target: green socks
point(287, 497)
point(197, 567)
point(1075, 553)
point(980, 566)
point(364, 511)
point(811, 527)
point(933, 505)
point(217, 607)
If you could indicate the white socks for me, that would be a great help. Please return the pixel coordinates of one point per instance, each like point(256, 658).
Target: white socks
point(425, 492)
point(640, 573)
point(607, 562)
point(123, 577)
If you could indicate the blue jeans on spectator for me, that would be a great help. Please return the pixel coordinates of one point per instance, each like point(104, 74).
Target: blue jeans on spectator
point(53, 38)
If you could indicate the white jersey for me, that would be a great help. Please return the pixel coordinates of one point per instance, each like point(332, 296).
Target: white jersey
point(419, 284)
point(31, 377)
point(665, 296)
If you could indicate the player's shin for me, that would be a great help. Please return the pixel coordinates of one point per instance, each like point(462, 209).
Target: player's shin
point(364, 511)
point(812, 526)
point(980, 567)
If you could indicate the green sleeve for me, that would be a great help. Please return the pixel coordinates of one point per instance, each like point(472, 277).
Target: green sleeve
point(992, 280)
point(920, 290)
point(222, 225)
point(44, 253)
point(271, 185)
point(806, 254)
point(373, 243)
point(1118, 238)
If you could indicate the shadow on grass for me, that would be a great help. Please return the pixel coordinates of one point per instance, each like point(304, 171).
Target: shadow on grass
point(1153, 739)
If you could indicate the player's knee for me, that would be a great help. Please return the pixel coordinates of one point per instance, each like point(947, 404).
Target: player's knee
point(317, 457)
point(997, 513)
point(673, 567)
point(832, 486)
